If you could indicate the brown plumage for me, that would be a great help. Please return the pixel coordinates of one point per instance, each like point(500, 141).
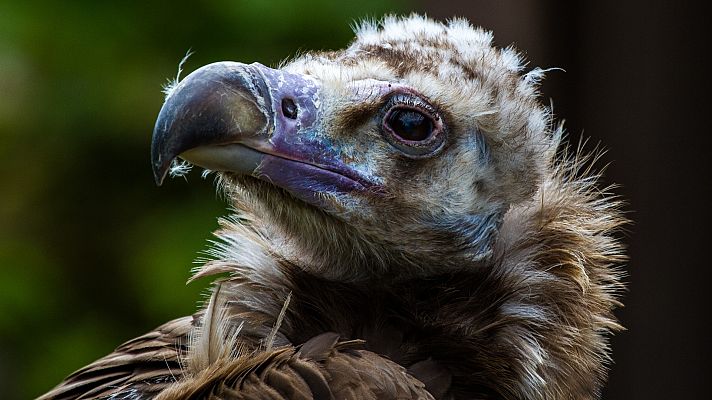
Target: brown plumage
point(403, 223)
point(321, 368)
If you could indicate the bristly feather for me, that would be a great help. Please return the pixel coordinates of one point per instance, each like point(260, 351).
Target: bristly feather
point(214, 337)
point(172, 83)
point(179, 168)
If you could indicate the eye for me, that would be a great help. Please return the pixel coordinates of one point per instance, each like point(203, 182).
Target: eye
point(413, 126)
point(409, 125)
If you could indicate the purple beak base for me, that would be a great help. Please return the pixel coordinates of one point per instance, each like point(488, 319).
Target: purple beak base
point(228, 116)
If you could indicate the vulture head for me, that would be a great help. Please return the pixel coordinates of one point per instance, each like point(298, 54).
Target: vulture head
point(407, 195)
point(398, 156)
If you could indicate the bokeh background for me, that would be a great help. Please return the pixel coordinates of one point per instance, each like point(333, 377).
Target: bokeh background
point(92, 253)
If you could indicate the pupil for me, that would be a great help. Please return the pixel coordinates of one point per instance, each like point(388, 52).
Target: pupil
point(411, 125)
point(289, 109)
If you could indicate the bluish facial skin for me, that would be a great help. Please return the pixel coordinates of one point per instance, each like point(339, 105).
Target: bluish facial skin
point(302, 158)
point(231, 117)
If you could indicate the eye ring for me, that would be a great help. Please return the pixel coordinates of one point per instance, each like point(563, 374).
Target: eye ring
point(412, 126)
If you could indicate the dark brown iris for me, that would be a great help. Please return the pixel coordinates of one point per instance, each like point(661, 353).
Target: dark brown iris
point(410, 125)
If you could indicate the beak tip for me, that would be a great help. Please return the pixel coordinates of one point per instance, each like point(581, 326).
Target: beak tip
point(216, 104)
point(159, 180)
point(159, 173)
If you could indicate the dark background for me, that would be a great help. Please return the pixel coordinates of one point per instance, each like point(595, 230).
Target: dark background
point(92, 253)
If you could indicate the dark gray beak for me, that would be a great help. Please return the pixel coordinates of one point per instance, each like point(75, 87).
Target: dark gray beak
point(207, 114)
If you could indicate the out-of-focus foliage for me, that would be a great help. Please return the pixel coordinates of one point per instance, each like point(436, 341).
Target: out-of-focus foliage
point(92, 253)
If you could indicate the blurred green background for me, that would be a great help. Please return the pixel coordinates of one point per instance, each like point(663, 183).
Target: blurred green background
point(92, 252)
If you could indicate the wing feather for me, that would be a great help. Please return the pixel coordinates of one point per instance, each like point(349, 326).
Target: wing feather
point(322, 368)
point(137, 369)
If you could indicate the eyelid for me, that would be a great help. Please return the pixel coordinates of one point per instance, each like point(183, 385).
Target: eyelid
point(414, 101)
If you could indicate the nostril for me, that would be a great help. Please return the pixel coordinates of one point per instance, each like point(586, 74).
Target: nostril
point(289, 109)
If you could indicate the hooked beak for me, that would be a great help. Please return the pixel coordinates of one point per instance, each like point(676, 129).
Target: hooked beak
point(217, 105)
point(252, 120)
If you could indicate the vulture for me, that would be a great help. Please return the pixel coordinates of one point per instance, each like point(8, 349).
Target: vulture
point(405, 224)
